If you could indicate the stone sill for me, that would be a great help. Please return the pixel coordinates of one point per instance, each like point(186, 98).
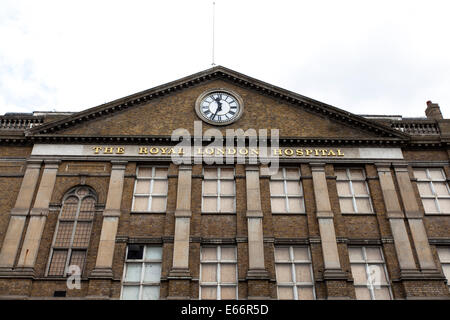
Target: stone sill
point(148, 212)
point(358, 213)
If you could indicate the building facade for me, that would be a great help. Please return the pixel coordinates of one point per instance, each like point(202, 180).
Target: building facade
point(170, 193)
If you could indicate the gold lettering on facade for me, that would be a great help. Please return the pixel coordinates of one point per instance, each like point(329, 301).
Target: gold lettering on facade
point(154, 150)
point(308, 152)
point(143, 150)
point(120, 150)
point(108, 150)
point(340, 154)
point(299, 152)
point(96, 149)
point(288, 152)
point(243, 151)
point(331, 153)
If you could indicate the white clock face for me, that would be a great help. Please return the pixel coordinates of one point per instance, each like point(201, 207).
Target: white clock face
point(219, 107)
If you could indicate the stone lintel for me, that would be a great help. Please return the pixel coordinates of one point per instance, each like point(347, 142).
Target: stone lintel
point(19, 212)
point(334, 274)
point(324, 214)
point(112, 212)
point(179, 274)
point(257, 274)
point(101, 273)
point(254, 214)
point(179, 213)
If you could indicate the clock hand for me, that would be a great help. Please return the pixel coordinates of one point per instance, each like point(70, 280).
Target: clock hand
point(219, 107)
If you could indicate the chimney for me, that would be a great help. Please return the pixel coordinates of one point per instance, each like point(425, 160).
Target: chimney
point(433, 111)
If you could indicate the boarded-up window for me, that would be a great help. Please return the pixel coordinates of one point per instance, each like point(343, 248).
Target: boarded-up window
point(142, 273)
point(434, 190)
point(286, 192)
point(353, 191)
point(293, 268)
point(369, 273)
point(150, 190)
point(219, 190)
point(218, 273)
point(73, 232)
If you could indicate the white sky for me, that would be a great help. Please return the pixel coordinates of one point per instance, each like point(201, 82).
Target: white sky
point(366, 57)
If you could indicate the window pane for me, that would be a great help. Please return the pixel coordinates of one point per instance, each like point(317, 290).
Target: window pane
point(228, 253)
point(429, 205)
point(436, 174)
point(209, 204)
point(227, 187)
point(343, 188)
point(377, 274)
point(420, 174)
point(444, 254)
point(363, 205)
point(142, 186)
point(228, 273)
point(301, 254)
point(135, 251)
point(356, 174)
point(158, 204)
point(161, 172)
point(130, 293)
point(152, 272)
point(82, 235)
point(153, 253)
point(140, 204)
point(209, 293)
point(285, 293)
point(210, 187)
point(278, 174)
point(341, 174)
point(276, 187)
point(227, 205)
point(150, 293)
point(209, 253)
point(278, 204)
point(228, 293)
point(70, 208)
point(210, 173)
point(282, 254)
point(445, 205)
point(359, 274)
point(373, 254)
point(359, 187)
point(144, 172)
point(362, 293)
point(296, 205)
point(302, 273)
point(159, 187)
point(440, 188)
point(78, 258)
point(305, 293)
point(64, 234)
point(133, 272)
point(355, 254)
point(346, 205)
point(382, 293)
point(227, 172)
point(292, 173)
point(284, 272)
point(58, 263)
point(209, 272)
point(293, 187)
point(87, 208)
point(424, 188)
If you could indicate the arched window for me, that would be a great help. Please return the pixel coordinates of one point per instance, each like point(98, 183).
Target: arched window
point(73, 231)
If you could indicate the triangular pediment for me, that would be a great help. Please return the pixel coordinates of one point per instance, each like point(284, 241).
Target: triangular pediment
point(157, 112)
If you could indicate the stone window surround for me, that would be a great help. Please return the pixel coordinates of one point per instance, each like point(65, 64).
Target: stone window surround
point(69, 249)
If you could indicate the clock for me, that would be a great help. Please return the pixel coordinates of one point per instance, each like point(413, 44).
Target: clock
point(219, 106)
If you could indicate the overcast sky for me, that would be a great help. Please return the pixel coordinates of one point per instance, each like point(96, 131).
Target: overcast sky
point(366, 57)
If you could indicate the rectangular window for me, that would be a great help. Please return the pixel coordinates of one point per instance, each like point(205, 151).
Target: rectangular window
point(433, 189)
point(219, 190)
point(142, 273)
point(218, 273)
point(369, 273)
point(150, 189)
point(444, 258)
point(286, 192)
point(295, 279)
point(353, 191)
